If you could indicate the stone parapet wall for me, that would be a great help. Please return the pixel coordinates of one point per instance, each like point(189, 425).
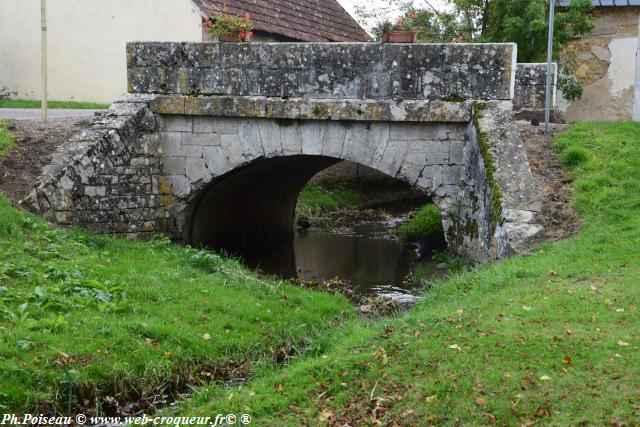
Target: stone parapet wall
point(324, 70)
point(530, 91)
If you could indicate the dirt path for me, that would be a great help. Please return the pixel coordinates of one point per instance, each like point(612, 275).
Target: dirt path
point(552, 185)
point(36, 142)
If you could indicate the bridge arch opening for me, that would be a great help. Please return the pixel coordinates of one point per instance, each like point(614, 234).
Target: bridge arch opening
point(255, 204)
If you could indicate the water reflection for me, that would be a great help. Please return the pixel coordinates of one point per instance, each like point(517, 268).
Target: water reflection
point(367, 258)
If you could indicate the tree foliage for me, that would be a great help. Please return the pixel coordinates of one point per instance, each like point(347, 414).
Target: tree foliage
point(525, 22)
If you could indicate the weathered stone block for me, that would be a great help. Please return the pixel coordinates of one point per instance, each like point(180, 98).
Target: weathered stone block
point(192, 151)
point(180, 185)
point(403, 131)
point(199, 139)
point(197, 170)
point(456, 152)
point(216, 160)
point(204, 124)
point(175, 165)
point(271, 138)
point(171, 143)
point(312, 134)
point(431, 178)
point(179, 123)
point(291, 138)
point(333, 141)
point(226, 125)
point(390, 160)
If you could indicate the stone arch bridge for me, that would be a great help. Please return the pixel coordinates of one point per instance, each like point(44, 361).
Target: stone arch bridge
point(213, 142)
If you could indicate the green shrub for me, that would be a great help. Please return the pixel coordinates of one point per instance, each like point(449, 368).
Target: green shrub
point(426, 224)
point(574, 156)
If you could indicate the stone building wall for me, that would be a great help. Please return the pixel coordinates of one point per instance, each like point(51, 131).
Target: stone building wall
point(606, 66)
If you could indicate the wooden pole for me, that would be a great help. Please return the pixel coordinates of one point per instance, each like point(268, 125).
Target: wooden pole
point(43, 57)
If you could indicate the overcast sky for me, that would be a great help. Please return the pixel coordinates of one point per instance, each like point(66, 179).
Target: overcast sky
point(350, 5)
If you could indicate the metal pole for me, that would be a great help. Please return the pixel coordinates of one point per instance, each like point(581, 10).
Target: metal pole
point(43, 57)
point(547, 109)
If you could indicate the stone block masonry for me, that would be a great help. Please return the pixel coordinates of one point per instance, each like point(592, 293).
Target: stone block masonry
point(324, 71)
point(215, 141)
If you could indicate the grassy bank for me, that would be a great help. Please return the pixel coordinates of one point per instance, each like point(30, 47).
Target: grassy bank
point(98, 323)
point(7, 138)
point(67, 105)
point(314, 199)
point(117, 320)
point(551, 338)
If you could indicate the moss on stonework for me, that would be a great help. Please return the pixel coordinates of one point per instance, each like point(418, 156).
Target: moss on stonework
point(489, 164)
point(320, 111)
point(454, 98)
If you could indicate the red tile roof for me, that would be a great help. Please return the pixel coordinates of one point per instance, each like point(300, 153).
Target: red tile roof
point(304, 20)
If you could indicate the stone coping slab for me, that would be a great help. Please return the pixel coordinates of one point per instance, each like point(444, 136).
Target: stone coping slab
point(312, 109)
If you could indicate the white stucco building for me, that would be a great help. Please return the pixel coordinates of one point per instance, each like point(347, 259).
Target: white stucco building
point(87, 38)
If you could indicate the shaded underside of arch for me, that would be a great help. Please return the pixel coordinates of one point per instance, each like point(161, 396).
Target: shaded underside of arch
point(252, 205)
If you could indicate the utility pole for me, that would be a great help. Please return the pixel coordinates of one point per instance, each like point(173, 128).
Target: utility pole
point(547, 107)
point(43, 57)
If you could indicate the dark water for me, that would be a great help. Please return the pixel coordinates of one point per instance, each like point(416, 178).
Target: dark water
point(368, 257)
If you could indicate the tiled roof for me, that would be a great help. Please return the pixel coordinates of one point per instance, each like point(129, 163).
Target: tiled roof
point(607, 2)
point(304, 20)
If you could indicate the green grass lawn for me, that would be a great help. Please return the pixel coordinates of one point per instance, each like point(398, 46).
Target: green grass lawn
point(23, 103)
point(548, 339)
point(552, 338)
point(7, 138)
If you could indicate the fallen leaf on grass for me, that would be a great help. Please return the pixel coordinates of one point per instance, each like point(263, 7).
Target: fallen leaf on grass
point(325, 415)
point(542, 412)
point(623, 343)
point(455, 347)
point(206, 337)
point(431, 399)
point(380, 353)
point(545, 378)
point(617, 422)
point(480, 401)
